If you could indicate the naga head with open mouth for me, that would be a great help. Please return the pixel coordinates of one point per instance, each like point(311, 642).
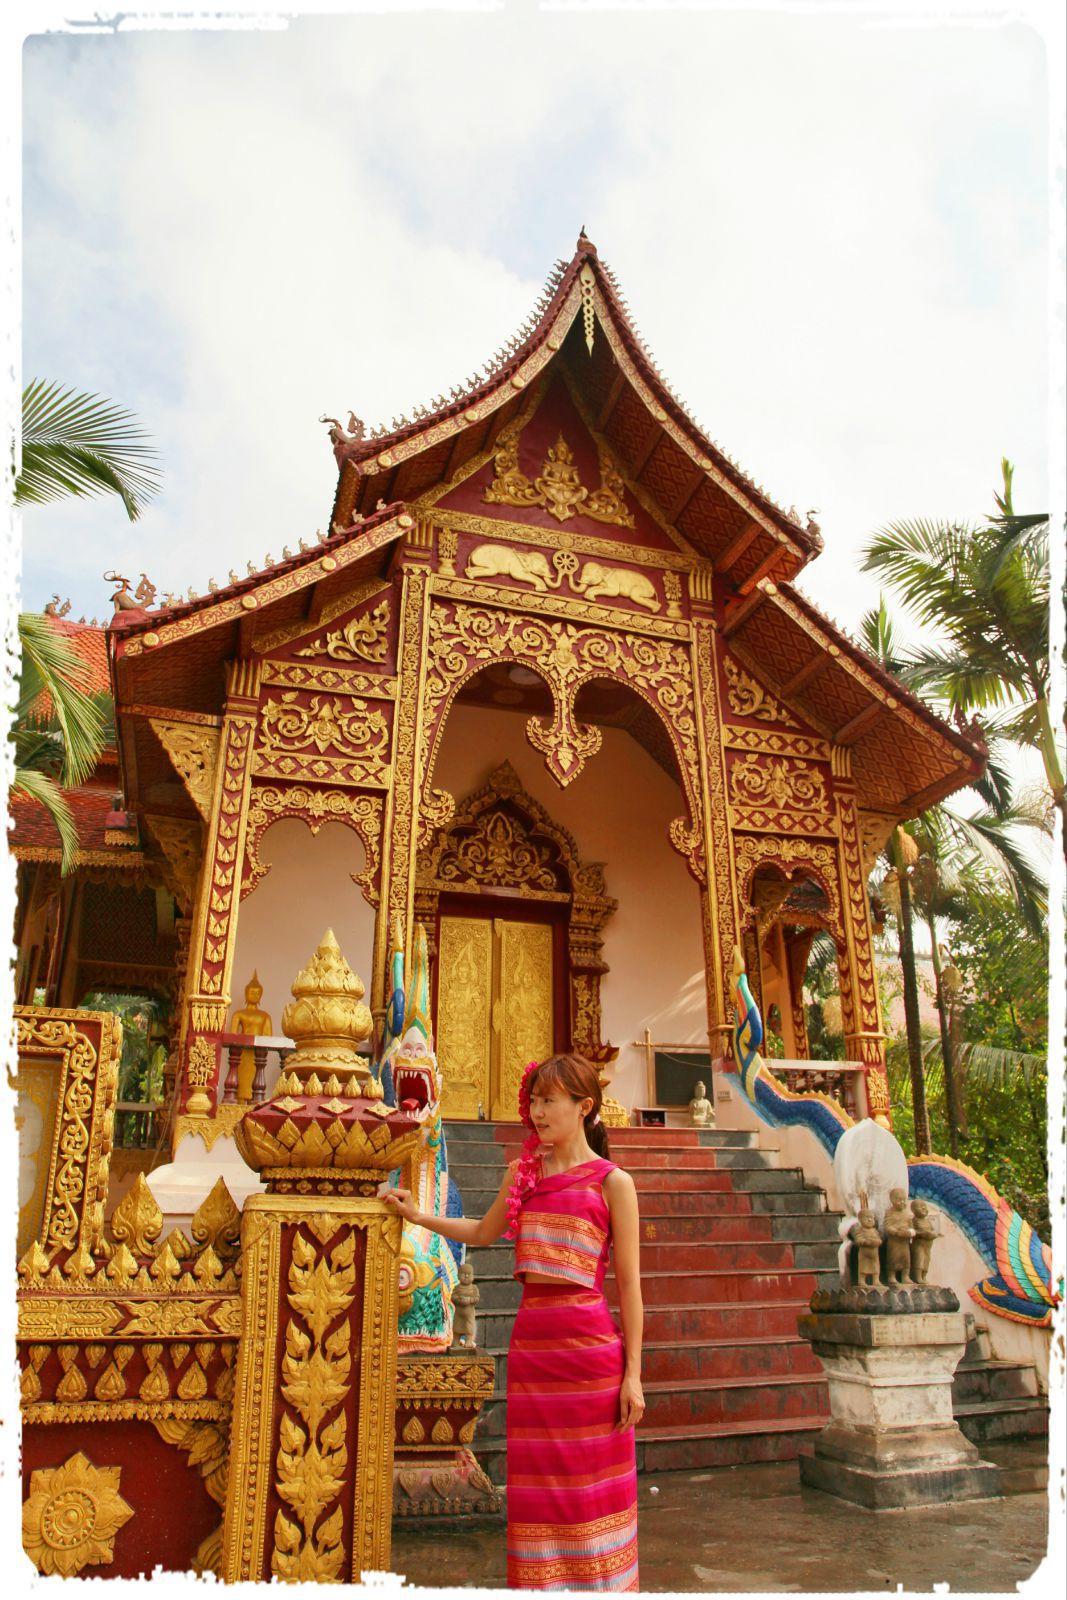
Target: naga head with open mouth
point(417, 1083)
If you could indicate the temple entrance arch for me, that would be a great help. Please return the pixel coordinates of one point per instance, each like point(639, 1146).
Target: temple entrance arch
point(516, 920)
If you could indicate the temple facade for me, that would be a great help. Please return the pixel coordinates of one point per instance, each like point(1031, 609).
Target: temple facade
point(546, 686)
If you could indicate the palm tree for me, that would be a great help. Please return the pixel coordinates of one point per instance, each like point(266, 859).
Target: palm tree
point(72, 445)
point(935, 863)
point(985, 589)
point(81, 444)
point(55, 748)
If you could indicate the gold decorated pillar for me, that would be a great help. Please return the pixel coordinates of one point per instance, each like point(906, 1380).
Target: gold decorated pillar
point(861, 1011)
point(214, 929)
point(400, 846)
point(310, 1489)
point(719, 895)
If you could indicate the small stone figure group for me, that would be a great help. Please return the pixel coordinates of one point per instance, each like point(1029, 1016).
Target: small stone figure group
point(908, 1239)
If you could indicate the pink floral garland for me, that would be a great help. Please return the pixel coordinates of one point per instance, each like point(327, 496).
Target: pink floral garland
point(526, 1175)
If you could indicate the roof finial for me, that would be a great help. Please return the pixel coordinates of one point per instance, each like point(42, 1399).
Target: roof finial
point(585, 243)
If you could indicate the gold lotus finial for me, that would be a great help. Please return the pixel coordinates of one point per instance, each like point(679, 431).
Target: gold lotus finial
point(326, 1018)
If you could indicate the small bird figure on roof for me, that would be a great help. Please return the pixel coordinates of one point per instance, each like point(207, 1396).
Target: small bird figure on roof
point(250, 569)
point(268, 561)
point(287, 554)
point(212, 586)
point(304, 547)
point(191, 594)
point(232, 576)
point(56, 608)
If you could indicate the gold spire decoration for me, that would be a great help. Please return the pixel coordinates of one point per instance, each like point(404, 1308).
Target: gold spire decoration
point(326, 1019)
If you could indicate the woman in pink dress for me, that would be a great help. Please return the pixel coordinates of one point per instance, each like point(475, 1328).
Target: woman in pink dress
point(574, 1383)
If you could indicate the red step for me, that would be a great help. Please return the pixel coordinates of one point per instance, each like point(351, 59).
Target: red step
point(642, 1159)
point(717, 1287)
point(739, 1255)
point(687, 1202)
point(685, 1360)
point(724, 1444)
point(703, 1401)
point(719, 1320)
point(704, 1229)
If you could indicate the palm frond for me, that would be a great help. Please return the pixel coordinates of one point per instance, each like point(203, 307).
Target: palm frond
point(52, 665)
point(993, 1065)
point(81, 444)
point(39, 786)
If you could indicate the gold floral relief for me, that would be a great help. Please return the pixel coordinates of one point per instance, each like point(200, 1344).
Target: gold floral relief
point(748, 698)
point(72, 1515)
point(781, 783)
point(361, 812)
point(362, 638)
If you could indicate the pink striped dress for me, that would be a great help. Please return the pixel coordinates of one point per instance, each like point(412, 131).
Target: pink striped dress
point(571, 1478)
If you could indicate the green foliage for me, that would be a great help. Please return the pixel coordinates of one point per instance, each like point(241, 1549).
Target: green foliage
point(144, 1021)
point(1002, 1023)
point(81, 444)
point(58, 748)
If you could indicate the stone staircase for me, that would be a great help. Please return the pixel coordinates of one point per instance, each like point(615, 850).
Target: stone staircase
point(732, 1248)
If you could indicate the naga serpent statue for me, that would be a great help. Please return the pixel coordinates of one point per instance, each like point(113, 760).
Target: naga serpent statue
point(1019, 1285)
point(429, 1265)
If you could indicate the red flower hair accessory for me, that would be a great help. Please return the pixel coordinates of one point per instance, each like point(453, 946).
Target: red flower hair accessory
point(524, 1092)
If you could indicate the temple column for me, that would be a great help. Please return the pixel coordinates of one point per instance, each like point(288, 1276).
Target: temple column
point(214, 930)
point(401, 832)
point(719, 893)
point(860, 1009)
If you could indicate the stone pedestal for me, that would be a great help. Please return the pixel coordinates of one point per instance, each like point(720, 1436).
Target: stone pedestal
point(892, 1440)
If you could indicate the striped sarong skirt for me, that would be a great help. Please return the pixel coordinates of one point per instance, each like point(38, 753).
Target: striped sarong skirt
point(571, 1477)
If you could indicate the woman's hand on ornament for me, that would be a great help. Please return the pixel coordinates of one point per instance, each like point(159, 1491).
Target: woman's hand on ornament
point(631, 1403)
point(400, 1200)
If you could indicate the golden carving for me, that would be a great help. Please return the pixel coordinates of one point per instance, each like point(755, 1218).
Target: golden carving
point(347, 601)
point(206, 1444)
point(558, 489)
point(72, 1516)
point(326, 1018)
point(265, 1358)
point(775, 742)
point(455, 1378)
point(316, 1370)
point(328, 722)
point(501, 852)
point(556, 604)
point(748, 697)
point(875, 828)
point(200, 1075)
point(182, 844)
point(137, 1220)
point(362, 638)
point(524, 978)
point(781, 784)
point(339, 680)
point(193, 752)
point(497, 530)
point(595, 580)
point(792, 858)
point(464, 1003)
point(78, 1160)
point(361, 812)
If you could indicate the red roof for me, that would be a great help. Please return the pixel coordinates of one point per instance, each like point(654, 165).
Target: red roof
point(91, 645)
point(34, 829)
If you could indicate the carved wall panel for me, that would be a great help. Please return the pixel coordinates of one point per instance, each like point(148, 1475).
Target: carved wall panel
point(322, 738)
point(314, 807)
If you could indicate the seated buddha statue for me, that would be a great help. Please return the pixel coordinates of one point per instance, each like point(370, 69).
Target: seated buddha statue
point(251, 1019)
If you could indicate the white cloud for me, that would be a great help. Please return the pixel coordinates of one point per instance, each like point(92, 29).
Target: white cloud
point(832, 234)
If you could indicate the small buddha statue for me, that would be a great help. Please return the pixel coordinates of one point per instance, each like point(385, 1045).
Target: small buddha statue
point(922, 1240)
point(866, 1241)
point(465, 1297)
point(252, 1020)
point(898, 1235)
point(700, 1112)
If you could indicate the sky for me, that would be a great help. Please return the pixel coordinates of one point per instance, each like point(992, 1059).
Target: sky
point(832, 230)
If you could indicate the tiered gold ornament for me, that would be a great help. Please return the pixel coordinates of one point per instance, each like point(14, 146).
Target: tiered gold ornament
point(327, 1117)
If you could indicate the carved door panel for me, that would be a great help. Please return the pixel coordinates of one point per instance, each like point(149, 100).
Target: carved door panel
point(494, 1011)
point(522, 1008)
point(464, 1013)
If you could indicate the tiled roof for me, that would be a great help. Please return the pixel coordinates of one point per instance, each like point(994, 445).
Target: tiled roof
point(91, 805)
point(91, 645)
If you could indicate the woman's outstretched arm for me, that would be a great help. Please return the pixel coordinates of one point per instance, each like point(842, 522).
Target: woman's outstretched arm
point(474, 1231)
point(626, 1231)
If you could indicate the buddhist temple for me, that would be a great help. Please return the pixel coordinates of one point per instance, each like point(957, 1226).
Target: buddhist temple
point(545, 689)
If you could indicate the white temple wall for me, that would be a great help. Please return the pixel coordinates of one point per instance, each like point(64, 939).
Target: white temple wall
point(308, 889)
point(619, 810)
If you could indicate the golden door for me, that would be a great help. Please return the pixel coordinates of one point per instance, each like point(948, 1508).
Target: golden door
point(494, 1011)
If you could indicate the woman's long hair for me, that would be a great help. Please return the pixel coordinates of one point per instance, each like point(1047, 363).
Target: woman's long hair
point(575, 1076)
point(579, 1078)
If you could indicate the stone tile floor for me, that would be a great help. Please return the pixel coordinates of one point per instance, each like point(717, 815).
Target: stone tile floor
point(755, 1529)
